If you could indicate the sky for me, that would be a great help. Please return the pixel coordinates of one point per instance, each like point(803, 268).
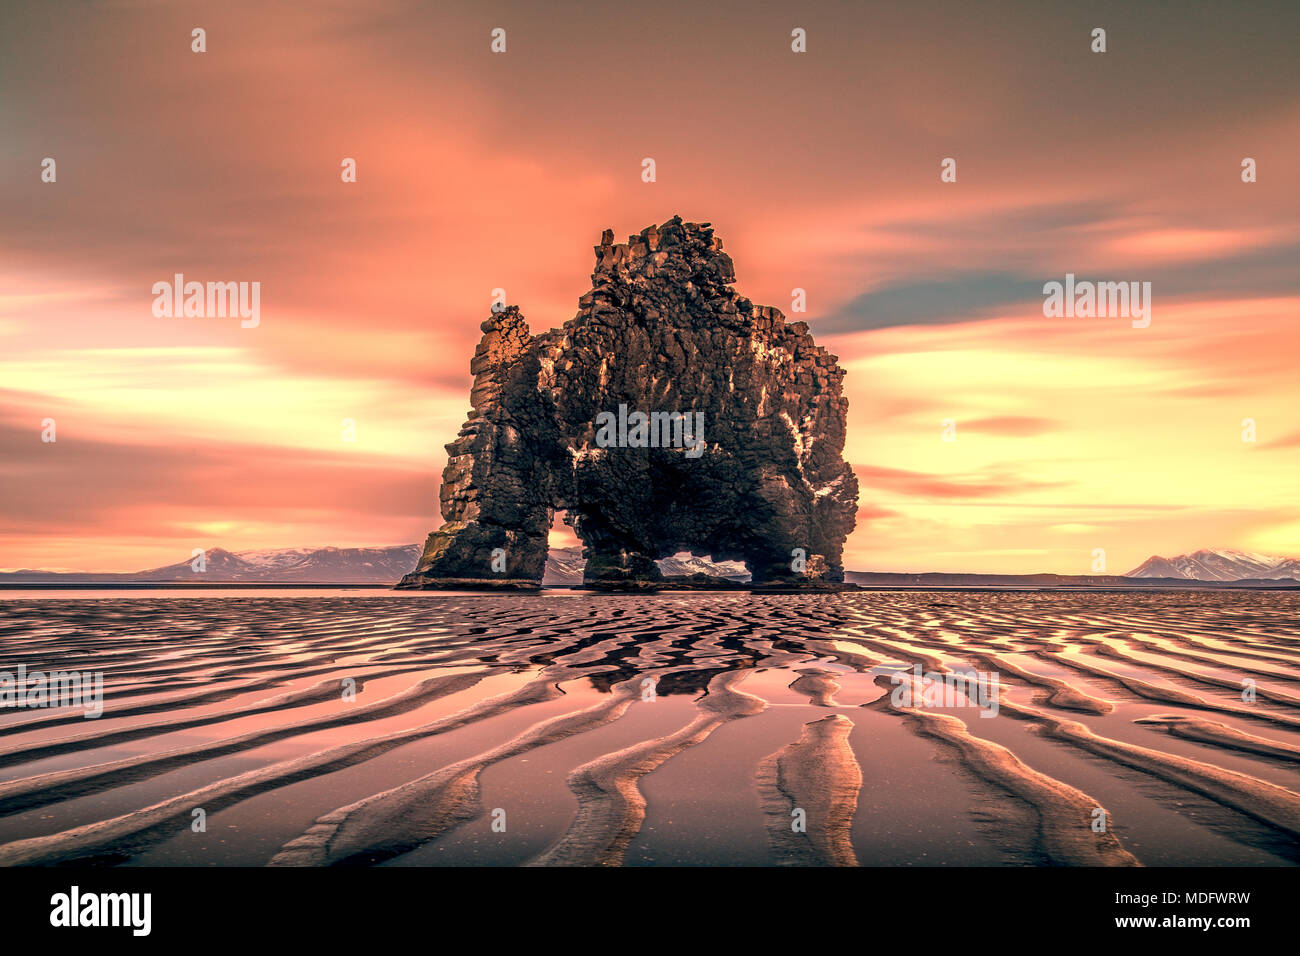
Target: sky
point(986, 436)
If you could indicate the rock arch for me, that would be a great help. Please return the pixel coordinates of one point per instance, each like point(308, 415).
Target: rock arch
point(661, 330)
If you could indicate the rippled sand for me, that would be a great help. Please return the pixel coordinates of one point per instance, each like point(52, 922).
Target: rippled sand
point(572, 729)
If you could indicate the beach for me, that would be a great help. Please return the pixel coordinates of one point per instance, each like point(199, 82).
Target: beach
point(1066, 728)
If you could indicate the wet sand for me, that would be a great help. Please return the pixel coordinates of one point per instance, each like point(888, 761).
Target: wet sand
point(694, 729)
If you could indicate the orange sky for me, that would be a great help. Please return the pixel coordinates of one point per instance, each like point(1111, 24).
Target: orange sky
point(477, 171)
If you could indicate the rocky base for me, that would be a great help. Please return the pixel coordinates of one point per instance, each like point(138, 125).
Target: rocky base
point(706, 582)
point(418, 582)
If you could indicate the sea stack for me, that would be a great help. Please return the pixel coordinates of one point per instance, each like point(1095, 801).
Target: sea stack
point(663, 333)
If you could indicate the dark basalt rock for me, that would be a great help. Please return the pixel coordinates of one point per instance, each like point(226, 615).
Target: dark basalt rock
point(660, 330)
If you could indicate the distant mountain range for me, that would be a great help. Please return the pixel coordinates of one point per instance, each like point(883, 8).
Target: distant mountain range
point(1222, 569)
point(277, 566)
point(1223, 565)
point(564, 567)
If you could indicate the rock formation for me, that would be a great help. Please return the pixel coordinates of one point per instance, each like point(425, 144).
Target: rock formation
point(661, 330)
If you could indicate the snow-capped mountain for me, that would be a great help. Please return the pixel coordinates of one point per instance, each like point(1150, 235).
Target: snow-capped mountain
point(294, 565)
point(1218, 565)
point(275, 558)
point(684, 563)
point(564, 567)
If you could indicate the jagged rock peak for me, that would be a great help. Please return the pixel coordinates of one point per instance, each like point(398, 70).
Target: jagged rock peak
point(678, 251)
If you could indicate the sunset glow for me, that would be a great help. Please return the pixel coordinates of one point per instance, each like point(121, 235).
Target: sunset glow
point(476, 174)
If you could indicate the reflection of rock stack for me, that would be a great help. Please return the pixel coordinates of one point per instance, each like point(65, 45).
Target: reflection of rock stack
point(661, 328)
